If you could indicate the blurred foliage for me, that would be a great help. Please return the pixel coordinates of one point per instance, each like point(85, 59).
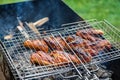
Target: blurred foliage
point(97, 9)
point(10, 1)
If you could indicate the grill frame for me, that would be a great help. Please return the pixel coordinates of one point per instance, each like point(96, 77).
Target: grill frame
point(82, 24)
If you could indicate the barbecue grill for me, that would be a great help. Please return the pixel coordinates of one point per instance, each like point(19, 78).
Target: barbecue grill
point(18, 56)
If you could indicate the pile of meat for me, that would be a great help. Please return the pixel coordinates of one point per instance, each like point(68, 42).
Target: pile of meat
point(77, 48)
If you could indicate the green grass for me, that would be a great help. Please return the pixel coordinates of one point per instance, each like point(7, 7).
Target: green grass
point(10, 1)
point(97, 9)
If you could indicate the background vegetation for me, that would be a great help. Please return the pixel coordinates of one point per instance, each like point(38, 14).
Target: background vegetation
point(10, 1)
point(97, 9)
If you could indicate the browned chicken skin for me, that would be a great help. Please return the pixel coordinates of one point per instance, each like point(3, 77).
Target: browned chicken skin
point(61, 56)
point(84, 44)
point(100, 45)
point(84, 56)
point(74, 41)
point(88, 34)
point(85, 36)
point(37, 59)
point(74, 58)
point(85, 40)
point(55, 57)
point(92, 31)
point(78, 42)
point(36, 44)
point(71, 38)
point(46, 56)
point(56, 43)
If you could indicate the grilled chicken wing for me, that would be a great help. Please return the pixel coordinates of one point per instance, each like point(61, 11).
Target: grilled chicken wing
point(74, 58)
point(37, 45)
point(59, 56)
point(88, 42)
point(46, 57)
point(84, 44)
point(103, 44)
point(42, 58)
point(56, 43)
point(85, 36)
point(37, 59)
point(92, 31)
point(74, 41)
point(84, 56)
point(88, 34)
point(71, 38)
point(62, 57)
point(85, 47)
point(81, 43)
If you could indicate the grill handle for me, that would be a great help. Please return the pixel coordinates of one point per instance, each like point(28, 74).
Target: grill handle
point(23, 31)
point(33, 28)
point(40, 22)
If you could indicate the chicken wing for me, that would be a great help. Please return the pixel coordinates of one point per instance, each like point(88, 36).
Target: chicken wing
point(92, 31)
point(74, 58)
point(37, 45)
point(59, 56)
point(85, 36)
point(56, 43)
point(84, 56)
point(62, 56)
point(41, 58)
point(37, 59)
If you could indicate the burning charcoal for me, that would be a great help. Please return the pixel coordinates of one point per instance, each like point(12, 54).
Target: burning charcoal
point(101, 73)
point(92, 68)
point(49, 78)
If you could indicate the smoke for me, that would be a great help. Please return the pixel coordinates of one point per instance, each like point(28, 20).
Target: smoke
point(9, 14)
point(31, 11)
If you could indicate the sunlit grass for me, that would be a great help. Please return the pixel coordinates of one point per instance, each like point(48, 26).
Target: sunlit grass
point(97, 9)
point(10, 1)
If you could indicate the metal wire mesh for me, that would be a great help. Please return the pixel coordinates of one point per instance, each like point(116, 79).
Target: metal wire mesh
point(19, 56)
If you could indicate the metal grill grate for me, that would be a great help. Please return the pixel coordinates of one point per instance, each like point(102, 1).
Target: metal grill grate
point(19, 56)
